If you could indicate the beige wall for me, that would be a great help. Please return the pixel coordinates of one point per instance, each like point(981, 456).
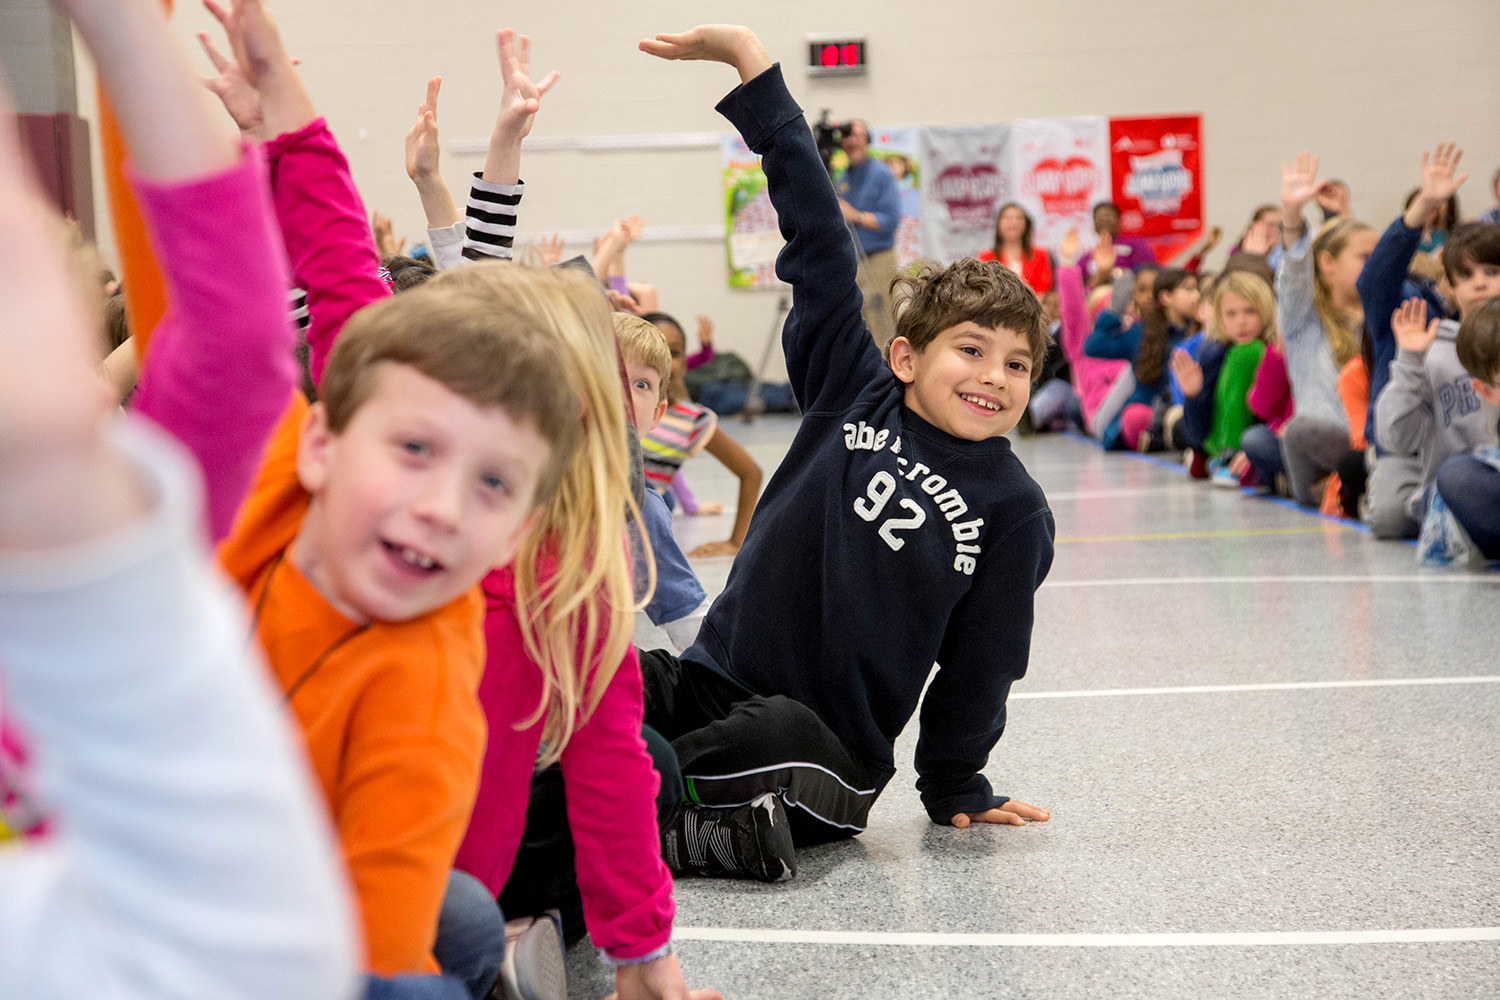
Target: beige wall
point(1365, 83)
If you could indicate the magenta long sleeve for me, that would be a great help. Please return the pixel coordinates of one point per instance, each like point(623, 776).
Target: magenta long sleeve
point(611, 790)
point(220, 369)
point(1092, 377)
point(328, 238)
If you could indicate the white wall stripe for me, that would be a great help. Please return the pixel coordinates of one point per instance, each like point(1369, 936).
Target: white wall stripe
point(917, 939)
point(1289, 686)
point(1174, 581)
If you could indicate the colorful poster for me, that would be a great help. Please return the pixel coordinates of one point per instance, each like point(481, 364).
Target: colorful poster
point(1157, 166)
point(1061, 166)
point(752, 239)
point(968, 179)
point(901, 150)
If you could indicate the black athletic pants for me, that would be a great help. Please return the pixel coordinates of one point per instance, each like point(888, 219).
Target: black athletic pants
point(733, 746)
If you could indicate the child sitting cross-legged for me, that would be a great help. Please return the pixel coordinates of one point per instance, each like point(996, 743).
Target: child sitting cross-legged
point(1216, 385)
point(1468, 484)
point(891, 537)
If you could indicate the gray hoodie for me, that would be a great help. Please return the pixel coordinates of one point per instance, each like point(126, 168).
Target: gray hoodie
point(1310, 365)
point(1429, 409)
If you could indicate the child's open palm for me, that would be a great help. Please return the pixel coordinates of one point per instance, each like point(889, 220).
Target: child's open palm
point(705, 332)
point(1189, 373)
point(712, 42)
point(1299, 181)
point(1067, 252)
point(1409, 324)
point(521, 98)
point(1438, 169)
point(422, 138)
point(1105, 256)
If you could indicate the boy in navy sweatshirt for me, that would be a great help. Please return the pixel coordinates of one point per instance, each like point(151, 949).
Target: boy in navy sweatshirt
point(900, 531)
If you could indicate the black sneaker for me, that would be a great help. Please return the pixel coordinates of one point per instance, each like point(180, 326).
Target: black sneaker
point(753, 841)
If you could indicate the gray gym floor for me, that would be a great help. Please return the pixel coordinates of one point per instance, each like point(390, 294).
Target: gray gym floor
point(1269, 747)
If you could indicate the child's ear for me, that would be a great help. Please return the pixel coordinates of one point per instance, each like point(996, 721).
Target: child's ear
point(904, 360)
point(1487, 392)
point(661, 411)
point(314, 448)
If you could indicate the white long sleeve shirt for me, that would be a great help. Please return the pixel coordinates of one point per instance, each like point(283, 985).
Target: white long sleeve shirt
point(190, 856)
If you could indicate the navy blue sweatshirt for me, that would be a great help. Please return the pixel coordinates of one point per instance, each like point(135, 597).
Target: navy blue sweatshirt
point(1383, 285)
point(882, 544)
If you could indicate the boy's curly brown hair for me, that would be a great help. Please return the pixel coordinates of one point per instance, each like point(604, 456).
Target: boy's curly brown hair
point(988, 293)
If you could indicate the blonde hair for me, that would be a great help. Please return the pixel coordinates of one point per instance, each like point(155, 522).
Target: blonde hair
point(1254, 290)
point(574, 598)
point(643, 344)
point(1343, 336)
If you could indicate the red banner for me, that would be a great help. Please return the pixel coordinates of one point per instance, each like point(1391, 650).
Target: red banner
point(1157, 170)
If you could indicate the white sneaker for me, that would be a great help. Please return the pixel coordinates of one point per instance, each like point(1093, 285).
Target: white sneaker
point(534, 968)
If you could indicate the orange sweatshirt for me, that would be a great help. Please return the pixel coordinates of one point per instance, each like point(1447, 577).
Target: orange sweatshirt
point(1354, 393)
point(390, 713)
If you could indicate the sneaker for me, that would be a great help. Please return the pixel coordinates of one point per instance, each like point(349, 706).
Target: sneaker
point(534, 968)
point(1224, 478)
point(753, 841)
point(1196, 462)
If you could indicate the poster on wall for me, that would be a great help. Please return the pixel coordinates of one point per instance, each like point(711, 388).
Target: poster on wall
point(1157, 168)
point(752, 239)
point(1061, 167)
point(968, 179)
point(900, 149)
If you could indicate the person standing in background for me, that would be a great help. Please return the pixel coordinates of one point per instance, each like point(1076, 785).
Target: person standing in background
point(867, 195)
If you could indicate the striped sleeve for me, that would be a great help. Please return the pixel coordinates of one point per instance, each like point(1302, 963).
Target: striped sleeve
point(490, 219)
point(297, 306)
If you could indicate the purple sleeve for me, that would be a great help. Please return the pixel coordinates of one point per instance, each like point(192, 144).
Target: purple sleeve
point(220, 368)
point(328, 237)
point(684, 493)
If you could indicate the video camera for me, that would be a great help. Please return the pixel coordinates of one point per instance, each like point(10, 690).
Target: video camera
point(830, 137)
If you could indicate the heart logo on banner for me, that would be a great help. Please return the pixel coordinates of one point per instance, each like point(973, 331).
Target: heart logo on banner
point(1062, 186)
point(970, 192)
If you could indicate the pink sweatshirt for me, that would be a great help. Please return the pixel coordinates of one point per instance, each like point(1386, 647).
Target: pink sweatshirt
point(1270, 396)
point(611, 783)
point(1092, 377)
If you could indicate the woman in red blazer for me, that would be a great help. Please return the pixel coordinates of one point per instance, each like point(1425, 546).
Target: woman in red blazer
point(1013, 249)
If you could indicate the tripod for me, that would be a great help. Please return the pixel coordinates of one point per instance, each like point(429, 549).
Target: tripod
point(754, 405)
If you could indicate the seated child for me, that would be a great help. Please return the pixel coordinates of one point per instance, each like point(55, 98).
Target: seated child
point(897, 525)
point(1468, 484)
point(687, 429)
point(1102, 384)
point(1270, 400)
point(1216, 386)
point(678, 601)
point(1429, 409)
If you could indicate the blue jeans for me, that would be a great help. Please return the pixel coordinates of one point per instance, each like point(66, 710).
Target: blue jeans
point(1263, 449)
point(470, 947)
point(1471, 489)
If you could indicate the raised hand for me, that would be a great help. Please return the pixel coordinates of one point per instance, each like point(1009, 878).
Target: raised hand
point(705, 332)
point(261, 59)
point(233, 90)
point(1013, 813)
point(1299, 185)
point(1259, 238)
point(1189, 373)
point(631, 227)
point(1439, 183)
point(1067, 252)
point(422, 138)
point(550, 249)
point(386, 242)
point(521, 98)
point(1409, 324)
point(732, 44)
point(1104, 256)
point(1333, 199)
point(1215, 234)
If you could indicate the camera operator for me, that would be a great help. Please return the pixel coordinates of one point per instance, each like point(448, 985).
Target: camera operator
point(871, 206)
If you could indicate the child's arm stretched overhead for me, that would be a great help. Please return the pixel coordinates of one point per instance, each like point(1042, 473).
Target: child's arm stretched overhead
point(983, 653)
point(1295, 314)
point(1072, 306)
point(225, 334)
point(497, 190)
point(191, 858)
point(1403, 411)
point(830, 355)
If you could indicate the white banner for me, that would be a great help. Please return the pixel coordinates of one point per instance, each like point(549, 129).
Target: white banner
point(1062, 169)
point(968, 178)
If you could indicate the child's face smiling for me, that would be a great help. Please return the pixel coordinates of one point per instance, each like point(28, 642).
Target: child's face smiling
point(420, 495)
point(970, 381)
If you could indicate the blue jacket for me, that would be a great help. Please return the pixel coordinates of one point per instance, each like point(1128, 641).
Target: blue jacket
point(1383, 285)
point(881, 545)
point(870, 187)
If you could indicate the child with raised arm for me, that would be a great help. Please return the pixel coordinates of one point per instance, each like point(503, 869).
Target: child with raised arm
point(898, 524)
point(1468, 484)
point(190, 857)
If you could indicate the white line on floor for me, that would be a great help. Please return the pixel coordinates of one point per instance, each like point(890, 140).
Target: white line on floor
point(1122, 491)
point(1171, 581)
point(911, 939)
point(1288, 686)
